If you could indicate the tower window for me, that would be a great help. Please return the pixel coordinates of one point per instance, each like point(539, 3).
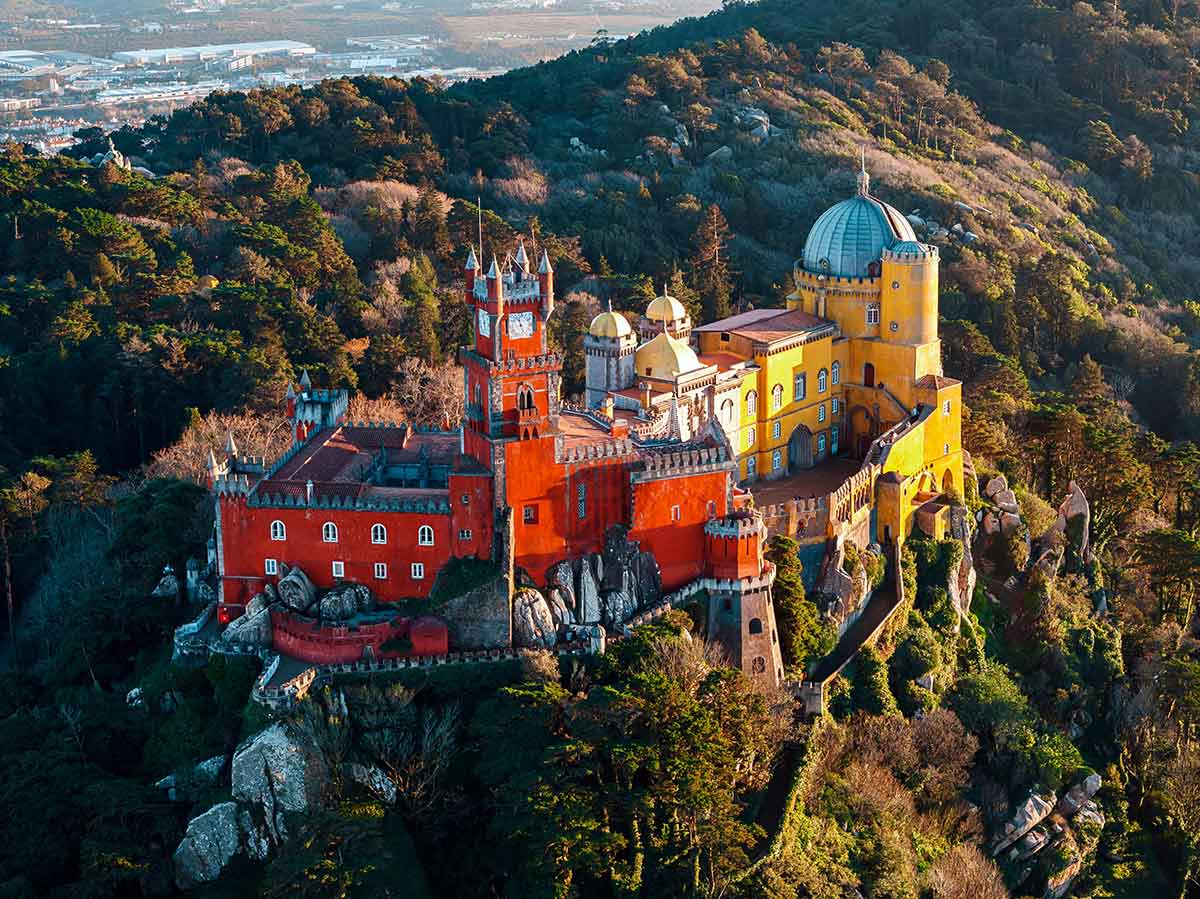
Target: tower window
point(675, 513)
point(418, 571)
point(278, 531)
point(945, 449)
point(749, 438)
point(425, 535)
point(776, 429)
point(822, 381)
point(529, 514)
point(381, 571)
point(339, 569)
point(836, 371)
point(466, 499)
point(725, 337)
point(581, 500)
point(464, 534)
point(756, 626)
point(776, 460)
point(799, 386)
point(821, 412)
point(872, 313)
point(752, 403)
point(835, 406)
point(378, 533)
point(712, 508)
point(777, 397)
point(270, 566)
point(946, 407)
point(751, 467)
point(820, 444)
point(329, 532)
point(525, 397)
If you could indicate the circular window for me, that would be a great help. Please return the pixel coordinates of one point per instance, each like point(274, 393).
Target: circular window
point(824, 263)
point(895, 285)
point(895, 326)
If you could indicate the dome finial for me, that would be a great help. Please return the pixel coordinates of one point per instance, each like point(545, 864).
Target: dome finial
point(864, 180)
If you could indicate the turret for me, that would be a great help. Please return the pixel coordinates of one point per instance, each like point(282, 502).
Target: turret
point(495, 288)
point(734, 546)
point(522, 258)
point(290, 399)
point(546, 285)
point(471, 270)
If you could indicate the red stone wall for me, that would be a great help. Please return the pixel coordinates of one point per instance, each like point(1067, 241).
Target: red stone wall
point(300, 638)
point(679, 546)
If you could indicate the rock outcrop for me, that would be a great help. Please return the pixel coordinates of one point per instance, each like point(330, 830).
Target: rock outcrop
point(251, 629)
point(167, 586)
point(210, 843)
point(533, 623)
point(607, 587)
point(1029, 814)
point(1074, 523)
point(372, 779)
point(1079, 795)
point(845, 595)
point(278, 772)
point(345, 601)
point(960, 586)
point(296, 591)
point(481, 617)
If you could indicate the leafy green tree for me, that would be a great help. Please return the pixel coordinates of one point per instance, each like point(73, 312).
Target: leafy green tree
point(418, 285)
point(803, 637)
point(871, 692)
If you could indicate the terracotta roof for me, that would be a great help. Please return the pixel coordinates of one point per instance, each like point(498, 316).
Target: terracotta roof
point(935, 382)
point(767, 324)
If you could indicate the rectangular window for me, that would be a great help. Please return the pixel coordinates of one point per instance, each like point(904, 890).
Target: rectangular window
point(821, 412)
point(339, 569)
point(712, 508)
point(380, 571)
point(418, 571)
point(464, 534)
point(270, 566)
point(777, 429)
point(466, 500)
point(749, 439)
point(834, 406)
point(529, 515)
point(581, 500)
point(675, 513)
point(776, 460)
point(725, 337)
point(946, 407)
point(799, 386)
point(872, 313)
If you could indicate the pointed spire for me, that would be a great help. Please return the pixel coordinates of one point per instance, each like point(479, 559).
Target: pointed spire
point(291, 393)
point(230, 445)
point(472, 261)
point(522, 258)
point(864, 180)
point(212, 461)
point(494, 270)
point(305, 381)
point(544, 266)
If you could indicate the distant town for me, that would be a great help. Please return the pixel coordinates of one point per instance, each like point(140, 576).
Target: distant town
point(60, 73)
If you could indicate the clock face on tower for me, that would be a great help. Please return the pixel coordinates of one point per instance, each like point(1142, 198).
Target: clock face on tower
point(520, 324)
point(485, 324)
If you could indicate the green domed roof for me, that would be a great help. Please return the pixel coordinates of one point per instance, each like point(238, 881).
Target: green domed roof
point(850, 236)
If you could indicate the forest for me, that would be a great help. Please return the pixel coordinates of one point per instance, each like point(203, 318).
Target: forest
point(1050, 150)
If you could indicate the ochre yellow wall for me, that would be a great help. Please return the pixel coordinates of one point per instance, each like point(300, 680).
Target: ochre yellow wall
point(909, 298)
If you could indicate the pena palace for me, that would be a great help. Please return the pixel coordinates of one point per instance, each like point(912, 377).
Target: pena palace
point(828, 420)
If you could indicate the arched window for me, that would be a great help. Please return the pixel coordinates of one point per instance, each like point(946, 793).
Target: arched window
point(756, 625)
point(777, 397)
point(378, 533)
point(727, 412)
point(836, 370)
point(425, 535)
point(525, 397)
point(872, 313)
point(821, 412)
point(820, 444)
point(776, 460)
point(752, 403)
point(751, 467)
point(799, 385)
point(822, 381)
point(776, 429)
point(329, 532)
point(750, 438)
point(835, 406)
point(278, 531)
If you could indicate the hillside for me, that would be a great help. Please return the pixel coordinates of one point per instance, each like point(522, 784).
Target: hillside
point(154, 300)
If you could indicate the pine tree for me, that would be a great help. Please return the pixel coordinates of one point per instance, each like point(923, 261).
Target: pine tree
point(1088, 384)
point(430, 233)
point(803, 638)
point(418, 286)
point(678, 287)
point(710, 267)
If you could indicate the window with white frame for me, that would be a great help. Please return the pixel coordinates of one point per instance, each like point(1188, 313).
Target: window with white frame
point(751, 466)
point(835, 406)
point(727, 412)
point(945, 449)
point(872, 313)
point(776, 460)
point(675, 513)
point(278, 531)
point(945, 407)
point(777, 397)
point(776, 429)
point(752, 403)
point(836, 371)
point(821, 412)
point(270, 566)
point(820, 444)
point(378, 533)
point(418, 571)
point(339, 569)
point(822, 381)
point(464, 534)
point(750, 438)
point(424, 535)
point(381, 571)
point(329, 532)
point(712, 508)
point(799, 385)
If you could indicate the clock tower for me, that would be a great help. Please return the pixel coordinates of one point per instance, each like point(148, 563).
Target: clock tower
point(511, 378)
